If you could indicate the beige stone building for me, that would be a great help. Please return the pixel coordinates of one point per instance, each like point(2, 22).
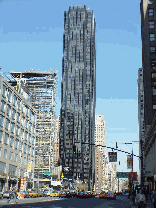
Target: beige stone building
point(99, 152)
point(57, 169)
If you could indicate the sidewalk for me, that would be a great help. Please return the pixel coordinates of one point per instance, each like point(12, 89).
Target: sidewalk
point(148, 205)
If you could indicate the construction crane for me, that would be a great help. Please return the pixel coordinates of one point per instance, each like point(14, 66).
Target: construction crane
point(54, 69)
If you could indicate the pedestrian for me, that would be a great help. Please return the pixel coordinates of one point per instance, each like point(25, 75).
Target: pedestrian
point(146, 193)
point(133, 196)
point(140, 199)
point(153, 198)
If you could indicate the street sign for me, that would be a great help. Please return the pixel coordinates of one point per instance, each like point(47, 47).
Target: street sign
point(129, 162)
point(112, 156)
point(47, 173)
point(62, 176)
point(123, 174)
point(133, 176)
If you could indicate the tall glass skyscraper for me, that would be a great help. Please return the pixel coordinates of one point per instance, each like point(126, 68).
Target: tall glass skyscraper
point(77, 122)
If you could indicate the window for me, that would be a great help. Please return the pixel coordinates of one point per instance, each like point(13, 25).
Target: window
point(11, 141)
point(12, 127)
point(22, 122)
point(15, 159)
point(152, 49)
point(26, 136)
point(24, 160)
point(25, 148)
point(8, 110)
point(18, 117)
point(21, 147)
point(30, 126)
point(14, 100)
point(153, 63)
point(13, 114)
point(26, 124)
point(10, 156)
point(29, 148)
point(34, 118)
point(152, 37)
point(31, 114)
point(7, 124)
point(26, 111)
point(29, 140)
point(1, 121)
point(23, 107)
point(5, 154)
point(6, 139)
point(16, 143)
point(33, 129)
point(12, 170)
point(151, 24)
point(3, 106)
point(9, 95)
point(1, 136)
point(22, 133)
point(4, 91)
point(19, 104)
point(33, 140)
point(32, 151)
point(17, 130)
point(150, 12)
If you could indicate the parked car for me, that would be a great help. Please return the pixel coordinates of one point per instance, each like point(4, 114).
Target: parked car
point(54, 193)
point(82, 194)
point(73, 192)
point(26, 194)
point(103, 194)
point(7, 194)
point(33, 194)
point(1, 194)
point(65, 194)
point(40, 193)
point(46, 193)
point(89, 194)
point(111, 195)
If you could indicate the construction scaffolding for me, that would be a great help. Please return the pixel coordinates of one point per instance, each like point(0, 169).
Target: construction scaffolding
point(43, 87)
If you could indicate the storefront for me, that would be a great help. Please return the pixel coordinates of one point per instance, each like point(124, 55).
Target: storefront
point(3, 180)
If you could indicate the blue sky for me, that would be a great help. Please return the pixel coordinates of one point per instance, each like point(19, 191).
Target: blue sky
point(31, 36)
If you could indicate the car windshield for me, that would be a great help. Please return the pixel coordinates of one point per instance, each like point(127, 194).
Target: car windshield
point(110, 193)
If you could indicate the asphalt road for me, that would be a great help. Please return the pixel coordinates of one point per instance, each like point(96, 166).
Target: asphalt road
point(120, 202)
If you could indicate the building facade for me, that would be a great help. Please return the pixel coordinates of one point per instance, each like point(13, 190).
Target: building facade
point(148, 36)
point(99, 152)
point(17, 137)
point(57, 168)
point(78, 94)
point(42, 86)
point(141, 124)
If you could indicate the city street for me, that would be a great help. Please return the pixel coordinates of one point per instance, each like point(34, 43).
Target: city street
point(121, 202)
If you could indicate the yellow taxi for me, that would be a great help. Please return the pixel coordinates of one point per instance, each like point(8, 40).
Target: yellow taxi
point(103, 194)
point(54, 193)
point(33, 194)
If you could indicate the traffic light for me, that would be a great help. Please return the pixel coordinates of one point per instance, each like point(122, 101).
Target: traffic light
point(74, 149)
point(116, 145)
point(154, 77)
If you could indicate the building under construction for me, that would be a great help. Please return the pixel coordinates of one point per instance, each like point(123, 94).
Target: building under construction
point(42, 86)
